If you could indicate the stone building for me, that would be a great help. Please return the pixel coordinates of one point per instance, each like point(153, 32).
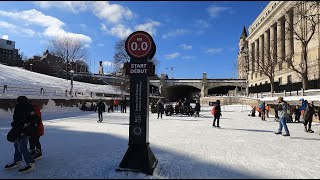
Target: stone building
point(272, 38)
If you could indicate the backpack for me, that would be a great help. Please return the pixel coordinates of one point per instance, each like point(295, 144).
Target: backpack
point(213, 110)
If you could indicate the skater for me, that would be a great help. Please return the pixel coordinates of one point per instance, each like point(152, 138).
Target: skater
point(115, 104)
point(101, 108)
point(263, 111)
point(216, 113)
point(297, 114)
point(160, 108)
point(253, 112)
point(197, 108)
point(22, 127)
point(124, 105)
point(303, 107)
point(308, 117)
point(34, 140)
point(267, 110)
point(282, 112)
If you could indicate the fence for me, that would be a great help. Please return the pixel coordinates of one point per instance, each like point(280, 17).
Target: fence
point(49, 92)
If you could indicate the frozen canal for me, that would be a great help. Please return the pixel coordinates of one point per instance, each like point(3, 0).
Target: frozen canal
point(76, 146)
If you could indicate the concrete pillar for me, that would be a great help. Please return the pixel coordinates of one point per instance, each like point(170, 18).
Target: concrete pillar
point(261, 53)
point(273, 44)
point(256, 55)
point(280, 42)
point(289, 34)
point(251, 59)
point(204, 88)
point(266, 48)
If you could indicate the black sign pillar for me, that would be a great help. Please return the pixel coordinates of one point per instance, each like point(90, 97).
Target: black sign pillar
point(139, 156)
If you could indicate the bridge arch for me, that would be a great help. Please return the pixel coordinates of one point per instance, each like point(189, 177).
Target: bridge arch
point(177, 92)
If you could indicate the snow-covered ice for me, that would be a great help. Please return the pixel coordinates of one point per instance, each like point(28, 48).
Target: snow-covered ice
point(76, 146)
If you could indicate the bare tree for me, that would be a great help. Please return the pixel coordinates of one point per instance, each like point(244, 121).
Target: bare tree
point(305, 21)
point(121, 56)
point(68, 48)
point(267, 67)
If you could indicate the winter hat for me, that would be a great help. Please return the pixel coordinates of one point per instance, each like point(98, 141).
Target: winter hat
point(301, 99)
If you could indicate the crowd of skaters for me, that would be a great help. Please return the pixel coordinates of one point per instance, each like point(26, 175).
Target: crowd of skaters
point(284, 114)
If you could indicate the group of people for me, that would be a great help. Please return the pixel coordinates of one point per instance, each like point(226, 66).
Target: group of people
point(284, 112)
point(179, 105)
point(26, 128)
point(101, 107)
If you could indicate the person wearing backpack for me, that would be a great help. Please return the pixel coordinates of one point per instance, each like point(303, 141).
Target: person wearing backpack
point(262, 107)
point(216, 111)
point(282, 112)
point(308, 117)
point(22, 127)
point(34, 140)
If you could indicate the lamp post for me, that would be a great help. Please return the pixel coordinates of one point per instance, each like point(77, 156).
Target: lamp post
point(31, 66)
point(71, 71)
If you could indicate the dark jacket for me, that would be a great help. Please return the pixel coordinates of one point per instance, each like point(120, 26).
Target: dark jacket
point(309, 112)
point(198, 106)
point(297, 112)
point(23, 117)
point(160, 107)
point(101, 107)
point(218, 110)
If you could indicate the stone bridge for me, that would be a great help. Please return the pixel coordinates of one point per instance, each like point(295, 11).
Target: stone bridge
point(175, 89)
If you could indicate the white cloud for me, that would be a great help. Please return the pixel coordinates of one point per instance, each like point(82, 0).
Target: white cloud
point(112, 13)
point(11, 28)
point(118, 30)
point(74, 6)
point(172, 56)
point(187, 57)
point(186, 47)
point(215, 11)
point(200, 23)
point(149, 27)
point(213, 50)
point(175, 33)
point(52, 25)
point(6, 37)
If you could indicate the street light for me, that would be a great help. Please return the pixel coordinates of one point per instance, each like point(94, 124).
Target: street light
point(71, 71)
point(31, 66)
point(246, 57)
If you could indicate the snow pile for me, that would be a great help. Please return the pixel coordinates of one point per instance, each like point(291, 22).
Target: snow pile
point(19, 81)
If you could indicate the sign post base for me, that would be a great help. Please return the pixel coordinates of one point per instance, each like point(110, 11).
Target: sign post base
point(138, 158)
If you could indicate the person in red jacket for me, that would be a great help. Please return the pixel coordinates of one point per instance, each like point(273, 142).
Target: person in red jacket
point(116, 103)
point(34, 140)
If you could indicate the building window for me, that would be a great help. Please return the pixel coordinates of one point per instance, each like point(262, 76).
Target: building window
point(280, 81)
point(9, 42)
point(289, 79)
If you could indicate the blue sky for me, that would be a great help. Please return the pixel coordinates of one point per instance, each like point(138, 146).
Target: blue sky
point(191, 36)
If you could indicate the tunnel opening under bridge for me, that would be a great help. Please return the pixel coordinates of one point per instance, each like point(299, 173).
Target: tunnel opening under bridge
point(174, 93)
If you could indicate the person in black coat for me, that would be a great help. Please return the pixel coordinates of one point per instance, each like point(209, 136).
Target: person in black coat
point(310, 111)
point(23, 126)
point(297, 114)
point(160, 108)
point(101, 108)
point(197, 108)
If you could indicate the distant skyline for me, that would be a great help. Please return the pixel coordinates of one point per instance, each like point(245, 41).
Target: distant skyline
point(191, 36)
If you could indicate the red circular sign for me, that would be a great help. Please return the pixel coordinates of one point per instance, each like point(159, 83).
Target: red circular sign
point(139, 45)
